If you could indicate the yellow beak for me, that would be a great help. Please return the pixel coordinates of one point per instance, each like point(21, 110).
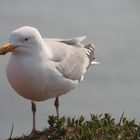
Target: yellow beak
point(6, 48)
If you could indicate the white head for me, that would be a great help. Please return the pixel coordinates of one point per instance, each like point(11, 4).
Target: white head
point(23, 39)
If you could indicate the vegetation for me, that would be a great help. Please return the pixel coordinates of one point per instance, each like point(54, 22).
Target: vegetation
point(99, 127)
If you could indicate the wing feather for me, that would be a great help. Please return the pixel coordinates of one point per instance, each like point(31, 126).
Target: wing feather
point(71, 59)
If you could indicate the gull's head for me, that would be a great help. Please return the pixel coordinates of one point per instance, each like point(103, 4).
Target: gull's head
point(23, 39)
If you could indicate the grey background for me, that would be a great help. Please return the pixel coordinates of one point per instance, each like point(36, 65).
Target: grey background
point(113, 86)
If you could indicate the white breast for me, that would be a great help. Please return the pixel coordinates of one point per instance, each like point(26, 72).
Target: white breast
point(36, 80)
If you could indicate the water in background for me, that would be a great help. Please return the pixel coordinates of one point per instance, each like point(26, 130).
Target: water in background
point(113, 86)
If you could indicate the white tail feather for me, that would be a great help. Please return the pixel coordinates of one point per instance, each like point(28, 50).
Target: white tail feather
point(94, 63)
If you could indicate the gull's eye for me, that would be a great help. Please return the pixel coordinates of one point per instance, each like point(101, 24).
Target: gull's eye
point(26, 39)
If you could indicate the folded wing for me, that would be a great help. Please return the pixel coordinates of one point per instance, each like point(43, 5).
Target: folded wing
point(71, 57)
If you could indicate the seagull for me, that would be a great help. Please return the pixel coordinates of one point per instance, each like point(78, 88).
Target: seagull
point(42, 68)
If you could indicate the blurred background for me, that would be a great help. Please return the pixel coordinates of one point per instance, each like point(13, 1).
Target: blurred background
point(113, 26)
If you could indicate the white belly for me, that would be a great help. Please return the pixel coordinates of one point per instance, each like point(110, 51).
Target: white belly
point(36, 81)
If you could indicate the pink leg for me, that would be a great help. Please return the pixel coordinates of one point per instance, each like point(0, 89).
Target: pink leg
point(33, 107)
point(56, 104)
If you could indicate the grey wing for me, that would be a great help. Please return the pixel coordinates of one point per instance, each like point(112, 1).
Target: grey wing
point(71, 60)
point(70, 41)
point(72, 67)
point(60, 47)
point(74, 41)
point(76, 62)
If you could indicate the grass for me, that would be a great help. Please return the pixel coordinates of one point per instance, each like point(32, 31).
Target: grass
point(99, 127)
